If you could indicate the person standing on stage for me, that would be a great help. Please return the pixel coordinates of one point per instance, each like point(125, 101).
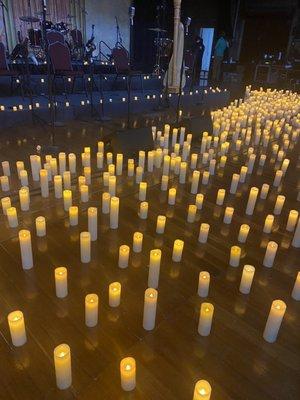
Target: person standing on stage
point(198, 50)
point(220, 49)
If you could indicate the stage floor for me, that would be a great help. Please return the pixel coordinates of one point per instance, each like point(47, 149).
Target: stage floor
point(235, 359)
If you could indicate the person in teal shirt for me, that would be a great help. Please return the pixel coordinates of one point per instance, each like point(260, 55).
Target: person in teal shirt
point(219, 51)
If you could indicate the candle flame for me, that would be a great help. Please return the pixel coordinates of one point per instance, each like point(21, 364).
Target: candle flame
point(202, 392)
point(127, 367)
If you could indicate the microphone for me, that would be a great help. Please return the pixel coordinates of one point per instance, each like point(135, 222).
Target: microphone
point(187, 24)
point(131, 14)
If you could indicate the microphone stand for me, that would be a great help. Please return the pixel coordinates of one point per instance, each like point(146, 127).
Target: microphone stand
point(131, 18)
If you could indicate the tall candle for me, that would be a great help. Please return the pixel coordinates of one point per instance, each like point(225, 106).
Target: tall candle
point(24, 197)
point(100, 160)
point(192, 211)
point(105, 202)
point(139, 174)
point(194, 160)
point(67, 180)
point(109, 158)
point(26, 248)
point(264, 191)
point(292, 220)
point(128, 374)
point(203, 233)
point(268, 223)
point(67, 195)
point(58, 186)
point(220, 197)
point(35, 162)
point(234, 183)
point(93, 222)
point(150, 160)
point(205, 319)
point(182, 172)
point(12, 217)
point(73, 215)
point(296, 288)
point(235, 255)
point(154, 268)
point(112, 185)
point(114, 212)
point(277, 178)
point(20, 167)
point(124, 251)
point(40, 225)
point(270, 254)
point(252, 200)
point(61, 282)
point(172, 196)
point(203, 284)
point(143, 212)
point(274, 320)
point(164, 182)
point(160, 224)
point(199, 201)
point(115, 294)
point(243, 233)
point(247, 279)
point(142, 191)
point(6, 203)
point(63, 368)
point(177, 250)
point(17, 329)
point(130, 167)
point(72, 163)
point(202, 390)
point(6, 168)
point(137, 242)
point(84, 193)
point(111, 169)
point(119, 164)
point(205, 178)
point(279, 204)
point(85, 247)
point(62, 163)
point(150, 304)
point(81, 181)
point(228, 215)
point(44, 183)
point(166, 165)
point(195, 182)
point(91, 310)
point(24, 177)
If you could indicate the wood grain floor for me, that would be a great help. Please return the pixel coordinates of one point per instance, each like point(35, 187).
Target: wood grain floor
point(235, 359)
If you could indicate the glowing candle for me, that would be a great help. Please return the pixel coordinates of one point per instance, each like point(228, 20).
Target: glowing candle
point(150, 160)
point(172, 196)
point(251, 163)
point(81, 181)
point(137, 242)
point(73, 215)
point(72, 163)
point(194, 160)
point(154, 268)
point(274, 320)
point(177, 250)
point(109, 158)
point(100, 146)
point(158, 157)
point(160, 224)
point(279, 204)
point(174, 136)
point(20, 166)
point(166, 165)
point(105, 202)
point(85, 247)
point(205, 178)
point(212, 166)
point(142, 191)
point(177, 165)
point(111, 169)
point(100, 160)
point(112, 185)
point(40, 225)
point(105, 178)
point(62, 163)
point(252, 200)
point(192, 211)
point(44, 183)
point(24, 197)
point(24, 177)
point(277, 178)
point(17, 329)
point(114, 212)
point(58, 186)
point(67, 180)
point(203, 284)
point(35, 162)
point(247, 279)
point(264, 191)
point(84, 193)
point(270, 254)
point(93, 222)
point(203, 233)
point(150, 304)
point(6, 168)
point(195, 182)
point(12, 217)
point(220, 197)
point(292, 220)
point(199, 201)
point(139, 174)
point(164, 182)
point(114, 294)
point(182, 172)
point(91, 310)
point(202, 390)
point(124, 251)
point(130, 167)
point(296, 288)
point(119, 164)
point(26, 249)
point(61, 282)
point(223, 160)
point(128, 374)
point(268, 223)
point(228, 215)
point(243, 173)
point(205, 319)
point(143, 212)
point(6, 203)
point(63, 368)
point(243, 233)
point(234, 183)
point(235, 255)
point(67, 196)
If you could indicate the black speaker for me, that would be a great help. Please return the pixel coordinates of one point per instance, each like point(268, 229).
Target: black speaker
point(199, 124)
point(129, 142)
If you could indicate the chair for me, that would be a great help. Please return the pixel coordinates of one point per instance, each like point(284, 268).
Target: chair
point(77, 38)
point(120, 57)
point(61, 64)
point(6, 72)
point(54, 36)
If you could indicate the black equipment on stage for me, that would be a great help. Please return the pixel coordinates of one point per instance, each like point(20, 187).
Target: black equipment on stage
point(90, 46)
point(129, 142)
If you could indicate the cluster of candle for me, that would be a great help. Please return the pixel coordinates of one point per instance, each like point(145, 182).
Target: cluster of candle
point(264, 120)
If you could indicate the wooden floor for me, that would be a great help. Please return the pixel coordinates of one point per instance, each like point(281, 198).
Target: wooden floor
point(235, 359)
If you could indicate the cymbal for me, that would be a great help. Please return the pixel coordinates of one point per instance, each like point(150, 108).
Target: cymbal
point(29, 19)
point(156, 30)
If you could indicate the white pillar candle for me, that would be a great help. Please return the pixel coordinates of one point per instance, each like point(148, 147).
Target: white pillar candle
point(182, 135)
point(143, 212)
point(177, 165)
point(243, 173)
point(119, 164)
point(285, 165)
point(137, 242)
point(82, 181)
point(176, 149)
point(252, 200)
point(212, 166)
point(73, 215)
point(114, 213)
point(85, 159)
point(105, 202)
point(58, 186)
point(203, 284)
point(234, 183)
point(63, 367)
point(139, 174)
point(194, 160)
point(109, 158)
point(141, 160)
point(158, 158)
point(26, 249)
point(251, 163)
point(84, 193)
point(202, 390)
point(174, 136)
point(150, 304)
point(112, 185)
point(154, 268)
point(17, 329)
point(235, 255)
point(160, 224)
point(35, 162)
point(124, 252)
point(264, 191)
point(205, 178)
point(296, 288)
point(220, 197)
point(24, 177)
point(205, 319)
point(182, 172)
point(195, 182)
point(128, 374)
point(6, 168)
point(274, 320)
point(177, 250)
point(192, 211)
point(228, 215)
point(61, 282)
point(100, 160)
point(105, 178)
point(53, 166)
point(270, 254)
point(223, 160)
point(199, 201)
point(296, 238)
point(44, 183)
point(20, 167)
point(150, 160)
point(166, 165)
point(88, 175)
point(5, 203)
point(247, 279)
point(172, 196)
point(47, 167)
point(243, 233)
point(203, 233)
point(100, 146)
point(67, 180)
point(91, 310)
point(268, 223)
point(114, 293)
point(12, 217)
point(85, 247)
point(164, 182)
point(24, 197)
point(279, 204)
point(277, 178)
point(72, 163)
point(67, 196)
point(111, 169)
point(40, 225)
point(93, 223)
point(62, 163)
point(130, 168)
point(142, 191)
point(292, 220)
